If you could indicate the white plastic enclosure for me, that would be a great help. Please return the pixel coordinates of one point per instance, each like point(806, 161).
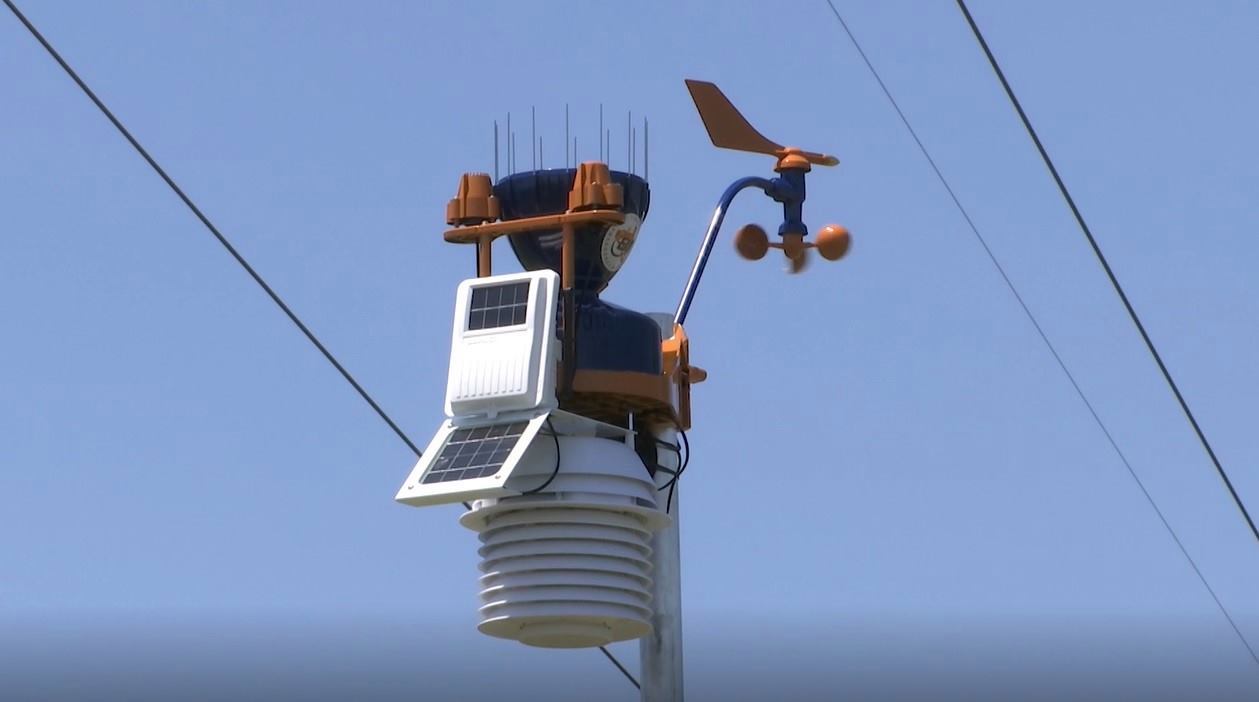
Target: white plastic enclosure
point(504, 364)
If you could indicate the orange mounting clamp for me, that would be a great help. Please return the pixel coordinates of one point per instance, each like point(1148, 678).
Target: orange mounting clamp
point(474, 202)
point(593, 189)
point(676, 366)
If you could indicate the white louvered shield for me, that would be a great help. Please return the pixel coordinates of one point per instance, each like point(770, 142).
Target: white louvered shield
point(569, 567)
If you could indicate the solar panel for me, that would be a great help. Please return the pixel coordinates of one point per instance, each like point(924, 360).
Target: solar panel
point(496, 306)
point(476, 452)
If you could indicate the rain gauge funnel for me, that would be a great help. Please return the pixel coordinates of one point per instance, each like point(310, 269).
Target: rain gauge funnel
point(601, 248)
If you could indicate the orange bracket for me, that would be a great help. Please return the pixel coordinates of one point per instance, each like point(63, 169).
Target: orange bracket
point(472, 234)
point(676, 366)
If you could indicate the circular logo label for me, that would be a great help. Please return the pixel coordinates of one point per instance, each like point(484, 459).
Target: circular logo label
point(618, 241)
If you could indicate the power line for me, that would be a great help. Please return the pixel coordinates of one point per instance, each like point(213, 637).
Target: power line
point(1114, 281)
point(209, 225)
point(1039, 330)
point(236, 255)
point(620, 667)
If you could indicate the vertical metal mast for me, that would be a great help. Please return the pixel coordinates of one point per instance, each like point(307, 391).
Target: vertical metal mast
point(660, 652)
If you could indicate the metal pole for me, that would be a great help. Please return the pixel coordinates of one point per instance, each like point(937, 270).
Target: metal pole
point(660, 652)
point(710, 237)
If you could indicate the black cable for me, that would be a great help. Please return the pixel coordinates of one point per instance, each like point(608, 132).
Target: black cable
point(683, 450)
point(683, 462)
point(686, 444)
point(1039, 330)
point(555, 471)
point(236, 255)
point(208, 224)
point(615, 662)
point(1114, 281)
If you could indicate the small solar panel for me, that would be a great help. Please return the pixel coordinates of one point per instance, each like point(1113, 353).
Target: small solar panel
point(477, 452)
point(501, 305)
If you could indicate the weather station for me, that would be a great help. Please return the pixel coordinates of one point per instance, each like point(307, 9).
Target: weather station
point(566, 415)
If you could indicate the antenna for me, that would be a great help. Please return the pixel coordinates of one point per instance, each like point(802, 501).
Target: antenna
point(533, 137)
point(566, 135)
point(496, 151)
point(601, 157)
point(646, 149)
point(633, 149)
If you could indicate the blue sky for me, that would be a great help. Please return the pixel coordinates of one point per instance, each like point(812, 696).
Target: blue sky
point(881, 439)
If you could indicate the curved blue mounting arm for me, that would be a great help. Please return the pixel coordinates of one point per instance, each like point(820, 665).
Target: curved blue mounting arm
point(788, 189)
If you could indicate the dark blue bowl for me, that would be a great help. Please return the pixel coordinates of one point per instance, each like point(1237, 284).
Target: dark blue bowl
point(601, 249)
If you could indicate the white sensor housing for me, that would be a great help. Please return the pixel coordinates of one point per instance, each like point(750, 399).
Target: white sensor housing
point(503, 348)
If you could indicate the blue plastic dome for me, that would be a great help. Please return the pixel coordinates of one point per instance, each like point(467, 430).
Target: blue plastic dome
point(601, 249)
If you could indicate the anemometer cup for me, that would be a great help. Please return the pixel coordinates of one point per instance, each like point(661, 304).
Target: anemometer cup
point(833, 242)
point(752, 242)
point(601, 249)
